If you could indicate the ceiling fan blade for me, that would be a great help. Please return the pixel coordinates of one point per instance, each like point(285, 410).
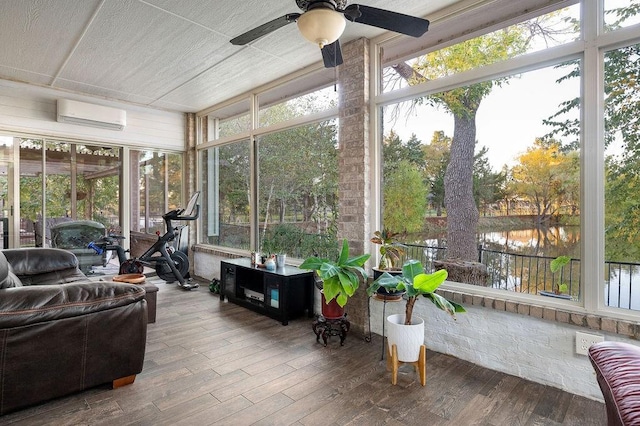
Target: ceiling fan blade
point(264, 29)
point(332, 55)
point(392, 21)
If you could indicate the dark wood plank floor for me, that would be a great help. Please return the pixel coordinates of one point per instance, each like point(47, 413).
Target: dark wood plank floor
point(217, 363)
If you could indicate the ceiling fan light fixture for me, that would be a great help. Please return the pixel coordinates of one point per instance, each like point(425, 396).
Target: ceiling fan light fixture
point(321, 26)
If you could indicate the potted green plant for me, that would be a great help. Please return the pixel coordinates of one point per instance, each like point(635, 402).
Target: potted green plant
point(405, 332)
point(556, 265)
point(390, 251)
point(341, 277)
point(415, 282)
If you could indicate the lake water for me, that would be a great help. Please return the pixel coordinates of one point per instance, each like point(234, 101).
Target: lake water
point(621, 288)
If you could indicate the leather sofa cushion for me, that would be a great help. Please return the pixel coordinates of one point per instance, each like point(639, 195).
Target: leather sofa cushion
point(44, 266)
point(33, 262)
point(35, 304)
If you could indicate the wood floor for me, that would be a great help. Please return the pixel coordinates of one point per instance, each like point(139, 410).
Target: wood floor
point(209, 362)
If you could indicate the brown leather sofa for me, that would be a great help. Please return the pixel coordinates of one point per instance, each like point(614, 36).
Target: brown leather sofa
point(61, 333)
point(617, 367)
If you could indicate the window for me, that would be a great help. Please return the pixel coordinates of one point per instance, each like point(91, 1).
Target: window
point(158, 183)
point(621, 13)
point(316, 101)
point(80, 181)
point(523, 177)
point(273, 188)
point(297, 190)
point(622, 177)
point(226, 218)
point(226, 122)
point(543, 32)
point(529, 156)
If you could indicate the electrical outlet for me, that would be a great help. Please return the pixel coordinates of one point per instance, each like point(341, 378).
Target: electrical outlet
point(584, 340)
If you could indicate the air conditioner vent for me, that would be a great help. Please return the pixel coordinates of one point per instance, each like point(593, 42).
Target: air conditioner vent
point(92, 115)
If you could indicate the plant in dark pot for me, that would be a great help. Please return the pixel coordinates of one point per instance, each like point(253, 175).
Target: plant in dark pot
point(340, 277)
point(405, 337)
point(391, 252)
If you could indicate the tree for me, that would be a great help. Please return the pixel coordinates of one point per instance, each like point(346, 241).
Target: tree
point(463, 104)
point(547, 178)
point(622, 131)
point(394, 151)
point(405, 198)
point(436, 156)
point(488, 186)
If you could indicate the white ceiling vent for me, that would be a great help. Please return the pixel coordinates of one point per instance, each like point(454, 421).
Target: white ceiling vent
point(91, 115)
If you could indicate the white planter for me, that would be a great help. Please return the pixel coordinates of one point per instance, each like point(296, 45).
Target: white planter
point(407, 338)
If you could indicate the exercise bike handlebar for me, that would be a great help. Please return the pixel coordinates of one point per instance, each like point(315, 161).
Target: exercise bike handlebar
point(178, 214)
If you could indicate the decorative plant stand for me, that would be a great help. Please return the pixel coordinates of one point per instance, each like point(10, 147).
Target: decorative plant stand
point(326, 327)
point(405, 344)
point(420, 365)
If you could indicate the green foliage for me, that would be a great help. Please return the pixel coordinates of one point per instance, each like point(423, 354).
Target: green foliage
point(548, 178)
point(488, 186)
point(341, 278)
point(320, 245)
point(622, 130)
point(282, 238)
point(436, 157)
point(405, 199)
point(414, 282)
point(298, 172)
point(556, 265)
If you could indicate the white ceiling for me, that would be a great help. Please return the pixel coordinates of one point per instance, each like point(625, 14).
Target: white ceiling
point(169, 54)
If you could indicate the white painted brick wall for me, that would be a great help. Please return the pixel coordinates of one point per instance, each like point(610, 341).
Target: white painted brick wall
point(538, 350)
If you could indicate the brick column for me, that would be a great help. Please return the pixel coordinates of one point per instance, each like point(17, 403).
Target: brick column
point(353, 162)
point(189, 175)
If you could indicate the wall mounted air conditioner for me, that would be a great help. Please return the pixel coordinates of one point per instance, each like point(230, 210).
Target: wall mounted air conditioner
point(92, 115)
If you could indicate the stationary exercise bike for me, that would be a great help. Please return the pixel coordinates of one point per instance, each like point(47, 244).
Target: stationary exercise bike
point(173, 262)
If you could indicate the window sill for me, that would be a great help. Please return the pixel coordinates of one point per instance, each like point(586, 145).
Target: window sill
point(596, 322)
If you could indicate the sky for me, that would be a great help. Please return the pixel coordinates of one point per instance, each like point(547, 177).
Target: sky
point(508, 120)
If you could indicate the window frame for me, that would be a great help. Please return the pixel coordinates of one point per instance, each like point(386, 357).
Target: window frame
point(589, 48)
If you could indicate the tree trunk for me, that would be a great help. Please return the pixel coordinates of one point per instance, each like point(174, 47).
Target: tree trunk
point(462, 213)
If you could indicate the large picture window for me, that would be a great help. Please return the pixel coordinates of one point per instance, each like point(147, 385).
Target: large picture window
point(522, 171)
point(226, 218)
point(622, 177)
point(297, 190)
point(272, 188)
point(502, 156)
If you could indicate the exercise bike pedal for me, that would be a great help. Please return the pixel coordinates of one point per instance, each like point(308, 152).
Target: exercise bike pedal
point(189, 285)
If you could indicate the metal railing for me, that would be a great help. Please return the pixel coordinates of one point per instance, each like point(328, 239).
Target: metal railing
point(532, 274)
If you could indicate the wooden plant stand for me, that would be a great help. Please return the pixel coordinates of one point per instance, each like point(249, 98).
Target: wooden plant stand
point(420, 365)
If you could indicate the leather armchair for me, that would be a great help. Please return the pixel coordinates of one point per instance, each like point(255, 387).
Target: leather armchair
point(61, 333)
point(617, 367)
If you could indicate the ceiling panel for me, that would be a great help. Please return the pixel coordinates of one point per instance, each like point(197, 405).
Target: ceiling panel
point(170, 54)
point(125, 46)
point(37, 36)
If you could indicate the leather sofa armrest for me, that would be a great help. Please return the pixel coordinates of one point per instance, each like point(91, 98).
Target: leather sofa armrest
point(35, 261)
point(617, 367)
point(22, 306)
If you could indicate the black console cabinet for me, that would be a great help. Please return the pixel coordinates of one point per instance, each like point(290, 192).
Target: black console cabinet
point(281, 294)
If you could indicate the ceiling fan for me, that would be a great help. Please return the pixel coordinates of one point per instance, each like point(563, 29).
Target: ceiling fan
point(323, 21)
